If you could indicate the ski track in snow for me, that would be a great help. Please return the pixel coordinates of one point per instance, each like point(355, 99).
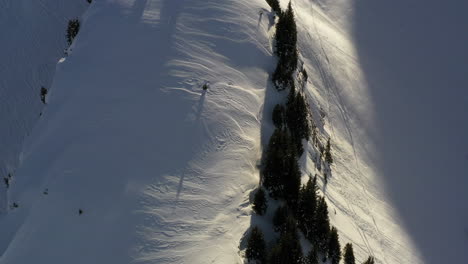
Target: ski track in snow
point(353, 190)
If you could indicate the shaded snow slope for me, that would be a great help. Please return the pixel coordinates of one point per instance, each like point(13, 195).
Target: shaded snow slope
point(414, 57)
point(391, 78)
point(32, 40)
point(161, 169)
point(358, 204)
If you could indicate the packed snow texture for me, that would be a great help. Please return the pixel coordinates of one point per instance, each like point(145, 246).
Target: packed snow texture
point(32, 40)
point(163, 170)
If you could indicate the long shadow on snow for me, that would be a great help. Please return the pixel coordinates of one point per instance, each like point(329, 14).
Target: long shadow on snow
point(272, 97)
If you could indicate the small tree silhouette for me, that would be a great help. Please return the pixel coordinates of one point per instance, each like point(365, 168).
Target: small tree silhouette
point(72, 30)
point(260, 203)
point(256, 248)
point(43, 94)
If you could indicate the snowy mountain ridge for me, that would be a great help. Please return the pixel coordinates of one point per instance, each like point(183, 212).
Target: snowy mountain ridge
point(133, 161)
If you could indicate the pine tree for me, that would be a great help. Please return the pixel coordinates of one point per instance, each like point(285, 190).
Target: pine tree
point(308, 207)
point(291, 181)
point(334, 248)
point(278, 116)
point(256, 248)
point(260, 202)
point(303, 117)
point(328, 156)
point(274, 164)
point(281, 174)
point(370, 260)
point(6, 180)
point(349, 254)
point(297, 119)
point(279, 218)
point(43, 94)
point(290, 226)
point(321, 234)
point(72, 30)
point(282, 76)
point(287, 251)
point(286, 40)
point(274, 4)
point(312, 257)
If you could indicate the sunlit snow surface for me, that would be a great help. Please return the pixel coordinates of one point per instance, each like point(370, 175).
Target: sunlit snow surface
point(163, 170)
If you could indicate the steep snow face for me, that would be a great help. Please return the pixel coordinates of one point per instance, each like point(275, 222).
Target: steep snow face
point(391, 76)
point(358, 204)
point(414, 57)
point(161, 169)
point(32, 40)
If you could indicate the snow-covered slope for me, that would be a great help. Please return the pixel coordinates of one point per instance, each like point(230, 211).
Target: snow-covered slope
point(358, 205)
point(391, 76)
point(158, 166)
point(32, 40)
point(163, 170)
point(414, 58)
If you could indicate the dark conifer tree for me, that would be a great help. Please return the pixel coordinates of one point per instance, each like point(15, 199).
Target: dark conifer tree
point(274, 4)
point(287, 251)
point(303, 117)
point(43, 94)
point(308, 207)
point(370, 260)
point(328, 156)
point(282, 76)
point(278, 116)
point(286, 40)
point(297, 119)
point(290, 226)
point(348, 254)
point(281, 171)
point(260, 202)
point(312, 257)
point(256, 249)
point(7, 182)
point(321, 234)
point(274, 164)
point(72, 30)
point(291, 181)
point(334, 248)
point(279, 219)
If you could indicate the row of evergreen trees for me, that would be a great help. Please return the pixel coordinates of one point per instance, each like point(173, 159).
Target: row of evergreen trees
point(286, 40)
point(304, 208)
point(288, 250)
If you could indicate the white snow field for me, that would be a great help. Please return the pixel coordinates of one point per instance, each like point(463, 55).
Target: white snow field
point(163, 170)
point(32, 40)
point(414, 58)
